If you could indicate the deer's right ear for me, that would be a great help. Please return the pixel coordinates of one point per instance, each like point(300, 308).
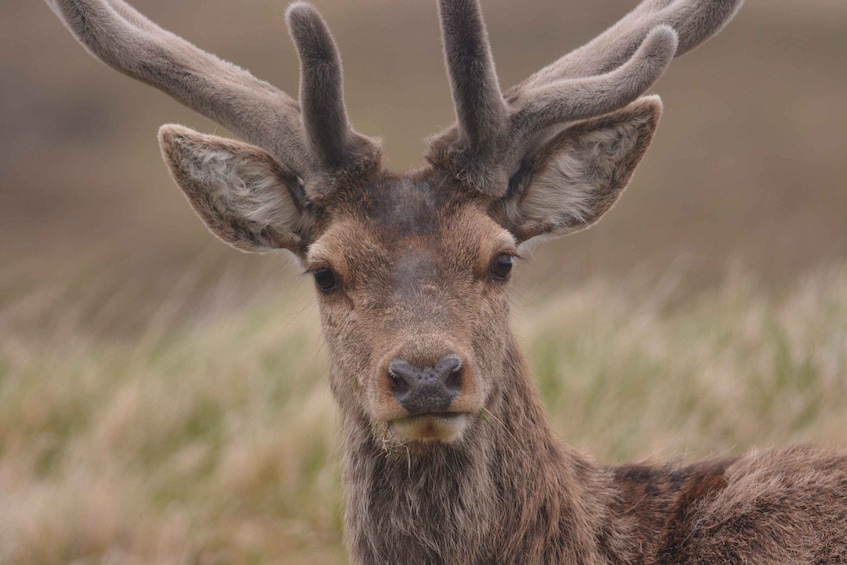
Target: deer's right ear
point(568, 182)
point(240, 192)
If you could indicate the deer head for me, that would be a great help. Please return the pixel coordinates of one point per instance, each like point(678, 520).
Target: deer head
point(411, 270)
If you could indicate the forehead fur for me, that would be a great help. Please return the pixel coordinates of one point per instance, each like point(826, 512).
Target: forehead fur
point(421, 214)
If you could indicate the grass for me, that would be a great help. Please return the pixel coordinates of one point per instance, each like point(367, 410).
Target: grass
point(213, 438)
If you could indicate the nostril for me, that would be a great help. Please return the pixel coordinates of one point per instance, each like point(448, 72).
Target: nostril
point(398, 383)
point(454, 380)
point(403, 377)
point(450, 371)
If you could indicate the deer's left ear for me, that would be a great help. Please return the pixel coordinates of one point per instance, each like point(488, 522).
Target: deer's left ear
point(242, 194)
point(570, 181)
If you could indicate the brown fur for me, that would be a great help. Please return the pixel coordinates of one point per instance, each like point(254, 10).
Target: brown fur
point(507, 491)
point(412, 261)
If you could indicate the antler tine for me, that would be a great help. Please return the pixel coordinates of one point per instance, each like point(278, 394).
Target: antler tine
point(694, 20)
point(576, 99)
point(321, 98)
point(130, 43)
point(480, 108)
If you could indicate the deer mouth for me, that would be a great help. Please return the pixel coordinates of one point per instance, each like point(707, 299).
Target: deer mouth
point(430, 426)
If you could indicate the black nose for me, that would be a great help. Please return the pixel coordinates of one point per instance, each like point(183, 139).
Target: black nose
point(431, 389)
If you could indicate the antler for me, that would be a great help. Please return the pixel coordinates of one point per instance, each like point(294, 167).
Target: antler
point(604, 75)
point(694, 20)
point(318, 141)
point(479, 104)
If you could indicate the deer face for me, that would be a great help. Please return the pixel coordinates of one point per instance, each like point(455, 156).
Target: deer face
point(412, 272)
point(412, 284)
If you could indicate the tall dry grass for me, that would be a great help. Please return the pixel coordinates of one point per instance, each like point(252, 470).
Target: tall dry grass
point(215, 440)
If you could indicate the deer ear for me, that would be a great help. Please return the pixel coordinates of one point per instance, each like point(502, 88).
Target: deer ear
point(240, 192)
point(570, 181)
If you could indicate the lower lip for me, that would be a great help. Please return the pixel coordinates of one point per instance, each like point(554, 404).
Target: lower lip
point(438, 426)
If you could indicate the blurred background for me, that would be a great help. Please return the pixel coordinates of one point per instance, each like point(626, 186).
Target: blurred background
point(748, 165)
point(163, 398)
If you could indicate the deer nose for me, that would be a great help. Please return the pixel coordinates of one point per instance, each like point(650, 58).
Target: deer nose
point(429, 389)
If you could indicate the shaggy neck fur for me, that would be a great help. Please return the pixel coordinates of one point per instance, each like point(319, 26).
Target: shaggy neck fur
point(507, 493)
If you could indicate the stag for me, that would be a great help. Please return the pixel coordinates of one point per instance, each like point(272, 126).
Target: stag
point(448, 457)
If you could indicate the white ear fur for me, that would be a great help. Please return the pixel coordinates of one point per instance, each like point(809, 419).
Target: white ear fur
point(561, 188)
point(577, 176)
point(240, 192)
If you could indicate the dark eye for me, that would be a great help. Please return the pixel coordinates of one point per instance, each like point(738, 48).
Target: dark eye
point(325, 279)
point(501, 267)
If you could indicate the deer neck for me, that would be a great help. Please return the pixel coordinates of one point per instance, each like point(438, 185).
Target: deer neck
point(507, 492)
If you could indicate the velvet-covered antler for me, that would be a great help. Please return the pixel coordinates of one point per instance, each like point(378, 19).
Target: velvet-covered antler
point(494, 131)
point(312, 137)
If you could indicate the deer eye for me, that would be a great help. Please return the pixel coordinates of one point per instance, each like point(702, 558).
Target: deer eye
point(325, 279)
point(501, 267)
